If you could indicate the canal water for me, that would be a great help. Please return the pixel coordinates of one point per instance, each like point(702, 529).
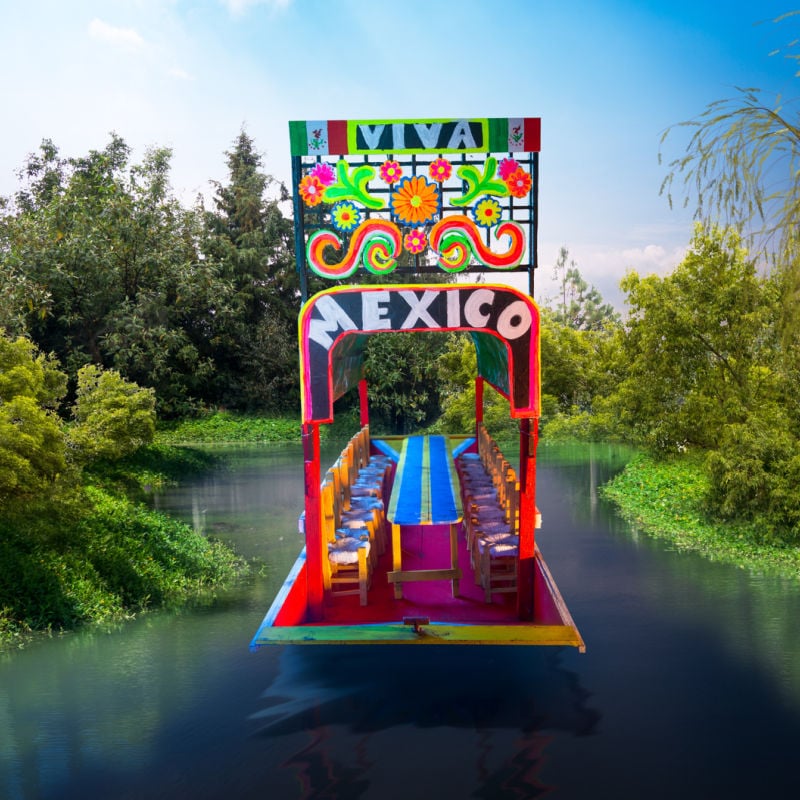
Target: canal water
point(690, 686)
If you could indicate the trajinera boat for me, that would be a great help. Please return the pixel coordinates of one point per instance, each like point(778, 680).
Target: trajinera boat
point(422, 539)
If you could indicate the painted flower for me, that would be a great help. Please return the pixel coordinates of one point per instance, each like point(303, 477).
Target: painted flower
point(416, 241)
point(325, 173)
point(506, 167)
point(345, 216)
point(487, 212)
point(519, 182)
point(311, 189)
point(415, 200)
point(440, 170)
point(391, 171)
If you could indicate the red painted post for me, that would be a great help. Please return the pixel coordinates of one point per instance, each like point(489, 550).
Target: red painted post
point(313, 521)
point(528, 438)
point(363, 399)
point(478, 402)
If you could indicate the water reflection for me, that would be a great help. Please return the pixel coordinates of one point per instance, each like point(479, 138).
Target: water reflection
point(458, 719)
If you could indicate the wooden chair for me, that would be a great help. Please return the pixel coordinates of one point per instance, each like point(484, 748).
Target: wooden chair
point(347, 567)
point(496, 547)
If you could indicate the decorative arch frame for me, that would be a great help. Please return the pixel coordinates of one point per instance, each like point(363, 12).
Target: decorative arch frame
point(335, 324)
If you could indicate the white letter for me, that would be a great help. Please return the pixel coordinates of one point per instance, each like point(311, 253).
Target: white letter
point(428, 136)
point(418, 307)
point(373, 315)
point(371, 137)
point(332, 317)
point(453, 309)
point(462, 136)
point(519, 311)
point(399, 136)
point(472, 308)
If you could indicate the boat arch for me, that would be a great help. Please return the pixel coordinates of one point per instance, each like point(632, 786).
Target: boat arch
point(335, 324)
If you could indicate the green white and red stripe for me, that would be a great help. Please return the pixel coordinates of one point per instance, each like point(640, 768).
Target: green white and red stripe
point(397, 136)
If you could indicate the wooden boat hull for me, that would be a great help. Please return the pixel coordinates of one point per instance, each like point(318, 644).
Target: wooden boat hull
point(286, 621)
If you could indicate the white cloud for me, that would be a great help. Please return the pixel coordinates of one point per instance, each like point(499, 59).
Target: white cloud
point(238, 7)
point(604, 266)
point(180, 74)
point(126, 38)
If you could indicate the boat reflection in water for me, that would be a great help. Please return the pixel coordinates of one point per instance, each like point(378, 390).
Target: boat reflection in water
point(482, 719)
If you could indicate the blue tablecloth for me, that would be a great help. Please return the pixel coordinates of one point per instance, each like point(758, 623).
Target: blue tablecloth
point(425, 488)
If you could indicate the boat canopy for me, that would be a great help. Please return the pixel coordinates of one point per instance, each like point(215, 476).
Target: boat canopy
point(335, 325)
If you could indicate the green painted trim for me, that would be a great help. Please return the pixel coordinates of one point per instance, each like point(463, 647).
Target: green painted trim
point(298, 137)
point(434, 633)
point(425, 500)
point(498, 135)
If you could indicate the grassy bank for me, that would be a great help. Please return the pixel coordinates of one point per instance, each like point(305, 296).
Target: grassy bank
point(98, 553)
point(665, 500)
point(224, 427)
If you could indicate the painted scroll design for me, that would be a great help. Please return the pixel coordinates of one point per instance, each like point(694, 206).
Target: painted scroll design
point(457, 237)
point(416, 220)
point(375, 244)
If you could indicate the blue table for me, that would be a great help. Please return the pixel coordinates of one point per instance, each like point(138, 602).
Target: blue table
point(425, 492)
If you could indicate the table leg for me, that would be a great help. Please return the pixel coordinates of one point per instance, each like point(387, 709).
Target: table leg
point(454, 555)
point(397, 559)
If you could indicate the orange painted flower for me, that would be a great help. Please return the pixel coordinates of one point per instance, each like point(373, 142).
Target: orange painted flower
point(416, 241)
point(519, 182)
point(415, 200)
point(311, 189)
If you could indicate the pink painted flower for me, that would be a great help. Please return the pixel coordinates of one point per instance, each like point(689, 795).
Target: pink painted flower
point(391, 171)
point(324, 173)
point(440, 170)
point(311, 189)
point(415, 241)
point(519, 182)
point(507, 166)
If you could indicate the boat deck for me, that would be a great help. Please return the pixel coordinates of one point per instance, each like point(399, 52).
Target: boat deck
point(425, 547)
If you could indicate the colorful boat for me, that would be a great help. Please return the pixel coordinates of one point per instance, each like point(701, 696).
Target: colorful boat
point(424, 539)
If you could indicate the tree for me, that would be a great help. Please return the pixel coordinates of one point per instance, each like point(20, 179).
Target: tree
point(456, 369)
point(253, 339)
point(101, 265)
point(32, 445)
point(700, 346)
point(404, 387)
point(113, 417)
point(578, 305)
point(741, 169)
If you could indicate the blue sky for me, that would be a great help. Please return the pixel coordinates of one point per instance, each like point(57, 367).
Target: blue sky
point(606, 77)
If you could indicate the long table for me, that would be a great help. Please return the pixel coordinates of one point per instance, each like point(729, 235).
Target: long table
point(425, 492)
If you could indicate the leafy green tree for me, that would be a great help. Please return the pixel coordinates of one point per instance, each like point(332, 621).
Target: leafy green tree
point(113, 417)
point(32, 445)
point(741, 168)
point(107, 269)
point(699, 346)
point(404, 386)
point(456, 368)
point(254, 338)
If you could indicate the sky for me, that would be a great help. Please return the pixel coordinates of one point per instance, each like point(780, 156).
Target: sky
point(607, 78)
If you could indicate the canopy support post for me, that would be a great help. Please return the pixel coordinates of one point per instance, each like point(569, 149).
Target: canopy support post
point(528, 439)
point(478, 402)
point(313, 523)
point(363, 399)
